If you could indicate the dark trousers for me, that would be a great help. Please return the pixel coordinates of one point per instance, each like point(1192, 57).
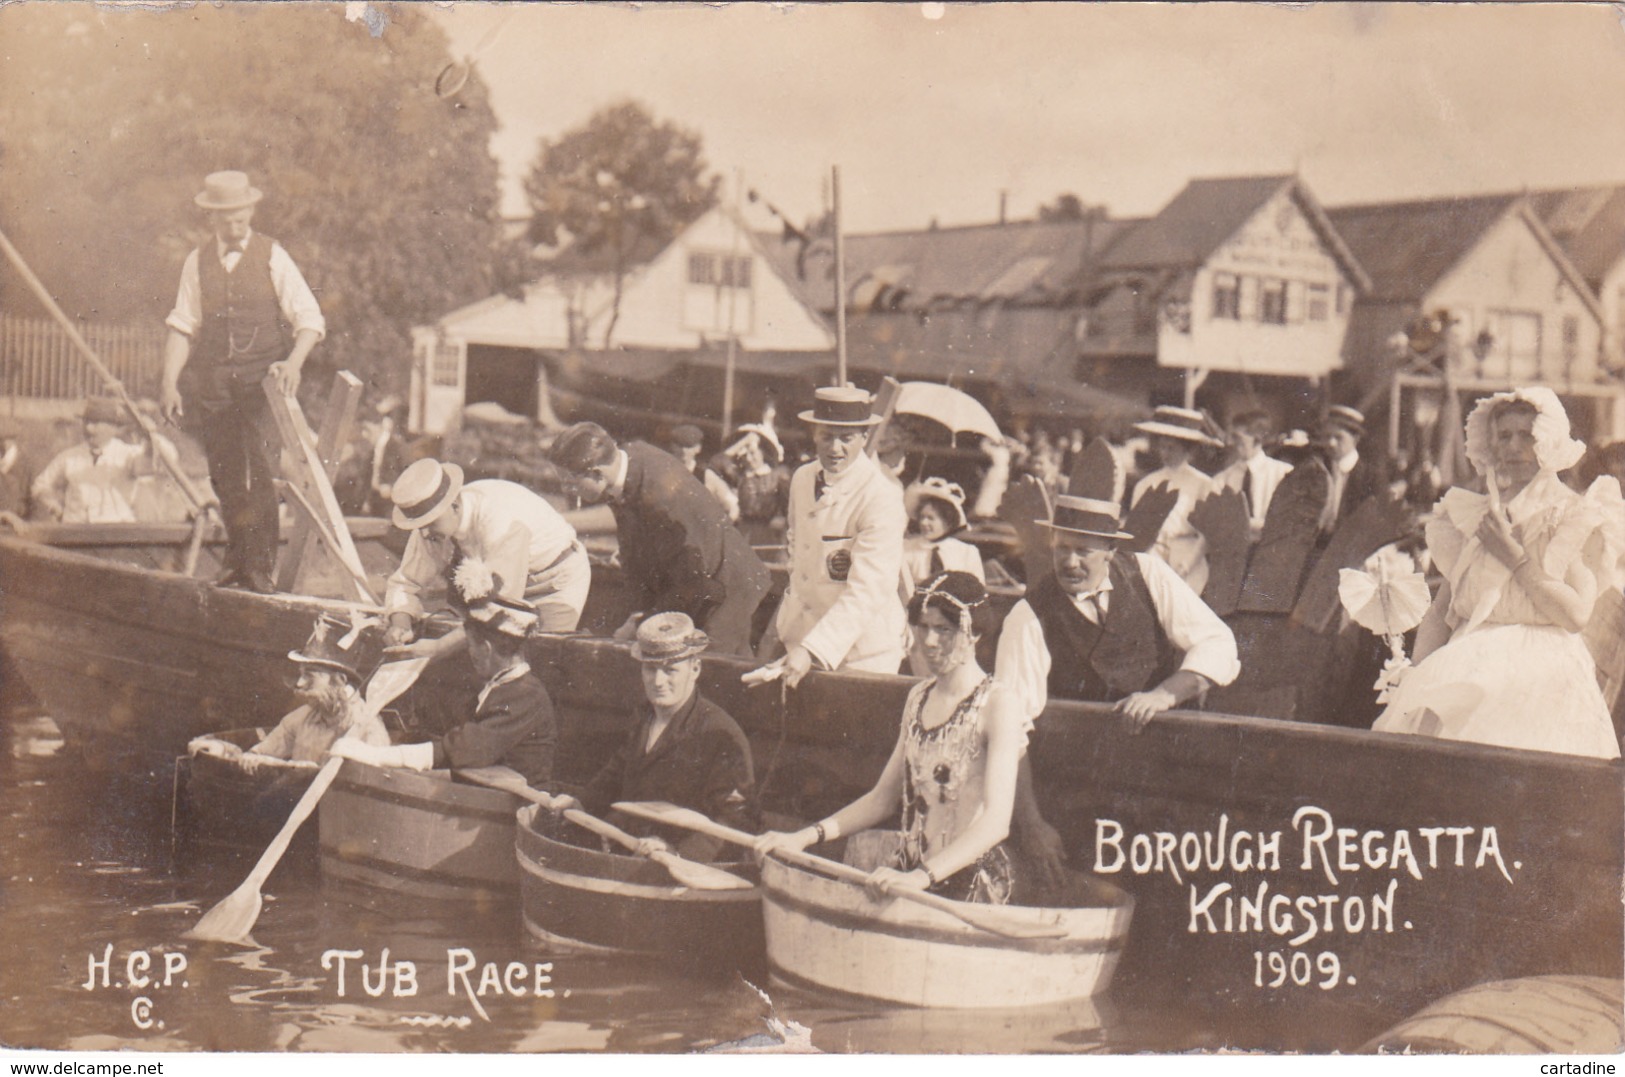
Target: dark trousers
point(240, 440)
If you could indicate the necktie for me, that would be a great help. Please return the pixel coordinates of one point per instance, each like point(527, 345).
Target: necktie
point(1251, 493)
point(819, 484)
point(937, 567)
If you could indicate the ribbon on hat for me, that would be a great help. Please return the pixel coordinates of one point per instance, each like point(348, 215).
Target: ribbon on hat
point(359, 623)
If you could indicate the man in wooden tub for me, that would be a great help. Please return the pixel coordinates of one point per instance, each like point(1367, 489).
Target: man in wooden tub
point(332, 666)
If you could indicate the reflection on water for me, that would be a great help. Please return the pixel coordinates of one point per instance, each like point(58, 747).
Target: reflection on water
point(93, 908)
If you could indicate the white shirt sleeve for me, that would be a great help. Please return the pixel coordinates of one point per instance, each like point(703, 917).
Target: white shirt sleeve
point(1021, 668)
point(188, 312)
point(1208, 643)
point(298, 303)
point(420, 571)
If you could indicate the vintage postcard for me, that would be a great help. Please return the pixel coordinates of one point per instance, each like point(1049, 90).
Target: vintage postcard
point(931, 528)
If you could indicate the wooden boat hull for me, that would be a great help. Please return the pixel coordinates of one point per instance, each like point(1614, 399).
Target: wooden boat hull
point(602, 902)
point(222, 809)
point(420, 835)
point(828, 934)
point(1540, 1015)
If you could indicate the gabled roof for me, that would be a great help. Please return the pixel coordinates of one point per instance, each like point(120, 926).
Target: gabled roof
point(1589, 222)
point(1410, 246)
point(1407, 247)
point(1016, 262)
point(1207, 213)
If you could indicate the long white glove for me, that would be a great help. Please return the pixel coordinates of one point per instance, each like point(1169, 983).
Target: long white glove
point(409, 756)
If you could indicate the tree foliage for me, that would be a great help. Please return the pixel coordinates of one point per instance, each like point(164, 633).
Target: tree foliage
point(616, 191)
point(385, 195)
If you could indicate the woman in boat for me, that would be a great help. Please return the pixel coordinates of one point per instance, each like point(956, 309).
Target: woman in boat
point(953, 770)
point(936, 513)
point(1500, 658)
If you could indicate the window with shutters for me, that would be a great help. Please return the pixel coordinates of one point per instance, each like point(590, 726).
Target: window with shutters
point(1272, 302)
point(1226, 296)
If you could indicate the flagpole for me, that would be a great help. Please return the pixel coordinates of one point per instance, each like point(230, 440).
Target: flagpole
point(733, 303)
point(840, 280)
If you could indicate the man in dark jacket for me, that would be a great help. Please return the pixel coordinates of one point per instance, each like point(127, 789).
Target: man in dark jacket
point(513, 723)
point(681, 748)
point(677, 547)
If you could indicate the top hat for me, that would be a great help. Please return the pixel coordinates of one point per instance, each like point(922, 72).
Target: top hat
point(841, 405)
point(227, 191)
point(423, 492)
point(937, 489)
point(667, 637)
point(101, 409)
point(351, 648)
point(1183, 424)
point(505, 615)
point(1343, 417)
point(1090, 505)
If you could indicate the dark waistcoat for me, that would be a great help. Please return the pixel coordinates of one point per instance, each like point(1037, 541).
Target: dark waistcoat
point(1103, 663)
point(242, 321)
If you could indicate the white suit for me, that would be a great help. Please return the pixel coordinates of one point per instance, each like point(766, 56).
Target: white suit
point(857, 623)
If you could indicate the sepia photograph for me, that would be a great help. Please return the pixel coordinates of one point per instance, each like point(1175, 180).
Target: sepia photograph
point(811, 529)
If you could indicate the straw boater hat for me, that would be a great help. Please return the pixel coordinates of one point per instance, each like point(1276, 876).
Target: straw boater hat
point(1342, 417)
point(1091, 504)
point(1183, 424)
point(100, 409)
point(842, 405)
point(423, 491)
point(351, 648)
point(939, 489)
point(668, 637)
point(504, 615)
point(227, 191)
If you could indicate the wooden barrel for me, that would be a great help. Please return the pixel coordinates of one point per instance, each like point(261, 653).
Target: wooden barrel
point(422, 835)
point(223, 809)
point(589, 900)
point(1566, 1015)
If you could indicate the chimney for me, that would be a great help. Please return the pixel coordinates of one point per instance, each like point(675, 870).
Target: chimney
point(1004, 198)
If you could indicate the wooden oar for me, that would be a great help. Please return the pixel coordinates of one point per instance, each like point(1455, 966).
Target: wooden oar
point(686, 872)
point(233, 918)
point(988, 918)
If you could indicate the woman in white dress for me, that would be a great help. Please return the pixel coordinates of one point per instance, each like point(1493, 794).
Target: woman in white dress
point(953, 771)
point(936, 513)
point(1500, 658)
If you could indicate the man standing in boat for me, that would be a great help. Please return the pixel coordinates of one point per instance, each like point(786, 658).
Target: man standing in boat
point(333, 664)
point(846, 523)
point(243, 314)
point(1105, 627)
point(681, 747)
point(494, 529)
point(678, 548)
point(513, 723)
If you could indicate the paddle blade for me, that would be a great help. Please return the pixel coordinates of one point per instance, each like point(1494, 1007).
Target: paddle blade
point(698, 876)
point(232, 919)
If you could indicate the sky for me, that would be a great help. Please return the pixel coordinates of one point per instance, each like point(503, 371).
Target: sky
point(930, 111)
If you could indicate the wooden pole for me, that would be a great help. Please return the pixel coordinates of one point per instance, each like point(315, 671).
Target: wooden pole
point(840, 279)
point(199, 503)
point(733, 311)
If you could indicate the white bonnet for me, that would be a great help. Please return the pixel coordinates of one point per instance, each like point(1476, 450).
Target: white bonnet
point(1554, 448)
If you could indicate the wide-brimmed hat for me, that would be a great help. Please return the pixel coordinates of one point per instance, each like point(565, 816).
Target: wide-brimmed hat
point(1343, 417)
point(1183, 424)
point(764, 434)
point(351, 648)
point(423, 491)
point(939, 489)
point(1090, 506)
point(667, 637)
point(505, 615)
point(227, 191)
point(841, 405)
point(101, 409)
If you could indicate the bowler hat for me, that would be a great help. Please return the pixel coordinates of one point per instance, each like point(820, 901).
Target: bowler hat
point(687, 436)
point(423, 492)
point(1090, 505)
point(227, 191)
point(667, 637)
point(841, 405)
point(101, 409)
point(352, 649)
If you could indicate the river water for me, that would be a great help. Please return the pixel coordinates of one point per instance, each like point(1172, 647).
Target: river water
point(93, 907)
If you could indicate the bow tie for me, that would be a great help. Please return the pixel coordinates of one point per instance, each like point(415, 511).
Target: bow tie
point(237, 247)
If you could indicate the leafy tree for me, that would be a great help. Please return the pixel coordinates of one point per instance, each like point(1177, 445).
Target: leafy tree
point(385, 194)
point(615, 192)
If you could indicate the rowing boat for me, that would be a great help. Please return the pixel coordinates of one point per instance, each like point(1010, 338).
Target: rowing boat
point(418, 834)
point(829, 934)
point(584, 899)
